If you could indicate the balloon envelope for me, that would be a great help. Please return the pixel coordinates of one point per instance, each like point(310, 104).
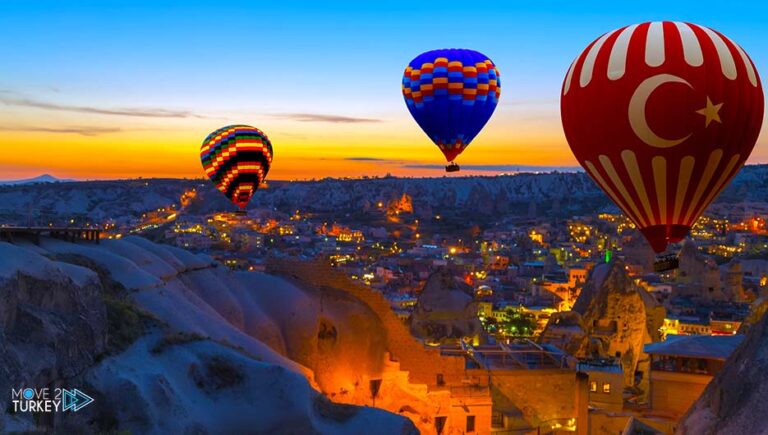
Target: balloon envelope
point(237, 159)
point(662, 116)
point(451, 93)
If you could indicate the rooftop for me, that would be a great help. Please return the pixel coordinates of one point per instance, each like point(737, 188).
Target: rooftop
point(696, 346)
point(600, 365)
point(518, 355)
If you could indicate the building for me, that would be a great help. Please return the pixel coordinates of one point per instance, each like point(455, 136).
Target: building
point(682, 366)
point(724, 326)
point(606, 383)
point(532, 269)
point(577, 276)
point(535, 388)
point(685, 325)
point(484, 309)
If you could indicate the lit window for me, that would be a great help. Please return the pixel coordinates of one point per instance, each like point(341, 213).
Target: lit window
point(593, 387)
point(606, 388)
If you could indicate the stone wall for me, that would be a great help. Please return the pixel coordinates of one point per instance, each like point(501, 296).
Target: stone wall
point(541, 395)
point(674, 393)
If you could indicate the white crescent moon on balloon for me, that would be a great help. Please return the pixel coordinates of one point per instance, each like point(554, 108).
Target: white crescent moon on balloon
point(637, 119)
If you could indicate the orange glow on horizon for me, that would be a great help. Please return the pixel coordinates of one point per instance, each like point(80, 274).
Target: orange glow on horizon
point(303, 150)
point(175, 154)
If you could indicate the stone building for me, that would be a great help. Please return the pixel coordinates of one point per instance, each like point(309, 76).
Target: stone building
point(682, 366)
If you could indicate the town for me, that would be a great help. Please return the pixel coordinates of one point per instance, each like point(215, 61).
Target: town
point(577, 293)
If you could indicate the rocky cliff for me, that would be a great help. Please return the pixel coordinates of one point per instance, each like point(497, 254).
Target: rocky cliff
point(734, 401)
point(167, 342)
point(53, 322)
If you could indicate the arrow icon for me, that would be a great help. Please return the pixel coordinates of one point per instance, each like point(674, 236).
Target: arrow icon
point(74, 400)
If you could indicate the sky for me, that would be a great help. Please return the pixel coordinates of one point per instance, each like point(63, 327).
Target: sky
point(104, 89)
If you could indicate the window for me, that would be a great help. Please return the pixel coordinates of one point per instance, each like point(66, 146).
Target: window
point(440, 424)
point(607, 387)
point(497, 420)
point(440, 379)
point(470, 423)
point(593, 387)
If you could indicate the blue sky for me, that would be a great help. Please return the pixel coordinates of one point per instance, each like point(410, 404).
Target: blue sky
point(227, 61)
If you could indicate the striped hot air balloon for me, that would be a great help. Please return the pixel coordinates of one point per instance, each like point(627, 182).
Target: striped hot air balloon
point(662, 116)
point(237, 159)
point(451, 94)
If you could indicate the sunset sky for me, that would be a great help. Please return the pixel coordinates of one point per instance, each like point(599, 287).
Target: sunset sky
point(101, 89)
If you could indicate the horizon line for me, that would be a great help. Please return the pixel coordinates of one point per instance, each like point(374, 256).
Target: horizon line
point(493, 171)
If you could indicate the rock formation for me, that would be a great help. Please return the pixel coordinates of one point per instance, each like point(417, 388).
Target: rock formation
point(698, 274)
point(734, 401)
point(638, 251)
point(613, 317)
point(756, 311)
point(731, 277)
point(445, 310)
point(53, 322)
point(567, 332)
point(403, 204)
point(167, 342)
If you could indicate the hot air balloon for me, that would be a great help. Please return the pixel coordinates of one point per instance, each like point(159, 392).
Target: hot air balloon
point(237, 159)
point(451, 94)
point(662, 116)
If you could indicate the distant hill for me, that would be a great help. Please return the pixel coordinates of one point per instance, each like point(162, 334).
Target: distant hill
point(555, 194)
point(45, 178)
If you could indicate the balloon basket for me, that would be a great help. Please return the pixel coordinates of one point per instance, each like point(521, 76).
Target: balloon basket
point(666, 262)
point(452, 167)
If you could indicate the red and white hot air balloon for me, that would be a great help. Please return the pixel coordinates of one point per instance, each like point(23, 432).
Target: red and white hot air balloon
point(662, 116)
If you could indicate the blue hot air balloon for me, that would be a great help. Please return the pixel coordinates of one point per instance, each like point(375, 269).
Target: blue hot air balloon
point(451, 93)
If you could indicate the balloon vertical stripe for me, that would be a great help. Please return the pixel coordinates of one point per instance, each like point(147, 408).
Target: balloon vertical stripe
point(663, 117)
point(704, 180)
point(630, 163)
point(659, 164)
point(686, 169)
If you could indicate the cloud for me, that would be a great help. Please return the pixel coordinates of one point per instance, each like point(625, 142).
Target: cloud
point(500, 168)
point(318, 117)
point(125, 111)
point(406, 164)
point(84, 131)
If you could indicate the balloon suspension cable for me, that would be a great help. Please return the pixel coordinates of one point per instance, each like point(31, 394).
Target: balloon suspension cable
point(452, 167)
